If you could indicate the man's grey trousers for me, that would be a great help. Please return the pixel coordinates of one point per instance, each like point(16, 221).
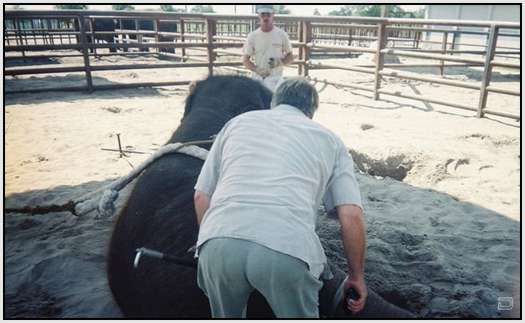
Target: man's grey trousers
point(230, 269)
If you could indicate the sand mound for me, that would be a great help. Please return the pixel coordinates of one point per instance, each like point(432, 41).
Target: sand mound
point(434, 255)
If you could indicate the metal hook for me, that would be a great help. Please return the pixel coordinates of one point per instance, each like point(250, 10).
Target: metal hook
point(147, 252)
point(137, 258)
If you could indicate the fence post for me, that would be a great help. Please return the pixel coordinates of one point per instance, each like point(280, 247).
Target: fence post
point(380, 57)
point(69, 29)
point(487, 71)
point(85, 53)
point(182, 40)
point(350, 37)
point(120, 36)
point(18, 32)
point(301, 47)
point(31, 22)
point(7, 34)
point(307, 38)
point(454, 39)
point(139, 36)
point(43, 33)
point(50, 33)
point(211, 26)
point(156, 23)
point(444, 52)
point(60, 29)
point(93, 39)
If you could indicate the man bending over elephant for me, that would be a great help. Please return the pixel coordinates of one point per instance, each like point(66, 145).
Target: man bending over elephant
point(257, 199)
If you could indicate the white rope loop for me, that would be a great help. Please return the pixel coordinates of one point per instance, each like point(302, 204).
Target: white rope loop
point(105, 205)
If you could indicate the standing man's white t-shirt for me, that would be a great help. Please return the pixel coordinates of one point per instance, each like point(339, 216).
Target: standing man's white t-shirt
point(264, 46)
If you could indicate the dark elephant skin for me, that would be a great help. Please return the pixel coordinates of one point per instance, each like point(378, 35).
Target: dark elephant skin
point(160, 215)
point(375, 307)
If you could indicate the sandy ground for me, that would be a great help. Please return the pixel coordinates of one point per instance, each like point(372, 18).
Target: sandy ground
point(441, 187)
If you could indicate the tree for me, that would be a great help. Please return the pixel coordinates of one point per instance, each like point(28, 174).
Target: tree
point(316, 12)
point(281, 10)
point(169, 8)
point(367, 10)
point(420, 13)
point(71, 6)
point(374, 10)
point(122, 7)
point(343, 11)
point(202, 9)
point(394, 11)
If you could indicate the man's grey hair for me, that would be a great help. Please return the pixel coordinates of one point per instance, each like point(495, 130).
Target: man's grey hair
point(299, 93)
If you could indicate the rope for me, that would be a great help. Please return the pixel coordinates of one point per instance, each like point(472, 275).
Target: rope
point(105, 205)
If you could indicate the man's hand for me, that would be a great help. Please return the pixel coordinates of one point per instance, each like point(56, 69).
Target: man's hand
point(357, 283)
point(354, 242)
point(248, 63)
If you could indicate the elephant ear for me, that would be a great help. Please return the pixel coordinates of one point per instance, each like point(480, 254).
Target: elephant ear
point(193, 88)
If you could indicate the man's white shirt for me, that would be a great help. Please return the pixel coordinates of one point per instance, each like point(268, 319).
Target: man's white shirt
point(263, 46)
point(267, 173)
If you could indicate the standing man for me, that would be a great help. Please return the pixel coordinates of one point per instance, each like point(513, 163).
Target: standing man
point(270, 49)
point(257, 199)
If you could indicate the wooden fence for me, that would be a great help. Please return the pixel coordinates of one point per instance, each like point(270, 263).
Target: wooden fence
point(215, 35)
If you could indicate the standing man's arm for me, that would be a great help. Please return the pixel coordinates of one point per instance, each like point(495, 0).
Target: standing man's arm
point(287, 48)
point(248, 63)
point(287, 59)
point(248, 51)
point(354, 241)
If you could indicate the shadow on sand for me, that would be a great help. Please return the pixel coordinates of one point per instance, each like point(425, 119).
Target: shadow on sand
point(19, 61)
point(72, 96)
point(427, 252)
point(470, 73)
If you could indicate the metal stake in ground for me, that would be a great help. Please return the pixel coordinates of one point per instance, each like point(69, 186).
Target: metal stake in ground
point(122, 154)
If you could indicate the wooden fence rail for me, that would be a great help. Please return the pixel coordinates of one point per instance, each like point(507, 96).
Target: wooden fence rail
point(217, 36)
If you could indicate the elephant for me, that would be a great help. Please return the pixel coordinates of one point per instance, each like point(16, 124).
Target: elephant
point(159, 214)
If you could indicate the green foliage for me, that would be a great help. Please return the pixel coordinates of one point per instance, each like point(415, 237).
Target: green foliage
point(169, 8)
point(202, 9)
point(393, 11)
point(122, 7)
point(281, 10)
point(71, 6)
point(316, 12)
point(420, 13)
point(368, 10)
point(343, 11)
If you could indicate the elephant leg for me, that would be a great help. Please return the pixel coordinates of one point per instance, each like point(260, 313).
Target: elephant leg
point(331, 302)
